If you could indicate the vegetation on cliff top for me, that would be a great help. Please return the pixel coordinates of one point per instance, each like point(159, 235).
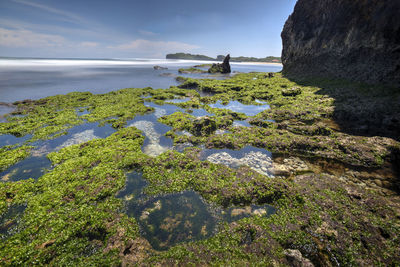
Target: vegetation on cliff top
point(270, 59)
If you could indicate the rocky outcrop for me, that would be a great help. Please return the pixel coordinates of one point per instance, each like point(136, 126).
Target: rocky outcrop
point(352, 39)
point(203, 126)
point(159, 68)
point(225, 67)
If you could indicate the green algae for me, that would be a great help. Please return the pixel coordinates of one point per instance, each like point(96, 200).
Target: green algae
point(72, 208)
point(295, 123)
point(73, 215)
point(50, 117)
point(175, 172)
point(191, 70)
point(305, 220)
point(9, 155)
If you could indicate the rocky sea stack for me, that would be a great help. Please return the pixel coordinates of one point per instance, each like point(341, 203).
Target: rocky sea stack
point(352, 39)
point(225, 67)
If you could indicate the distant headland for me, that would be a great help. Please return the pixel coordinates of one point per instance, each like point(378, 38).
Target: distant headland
point(269, 59)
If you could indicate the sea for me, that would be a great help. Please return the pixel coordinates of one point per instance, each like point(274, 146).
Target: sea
point(35, 78)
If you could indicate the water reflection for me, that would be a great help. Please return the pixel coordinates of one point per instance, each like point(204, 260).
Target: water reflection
point(32, 167)
point(35, 165)
point(170, 219)
point(236, 106)
point(8, 139)
point(10, 220)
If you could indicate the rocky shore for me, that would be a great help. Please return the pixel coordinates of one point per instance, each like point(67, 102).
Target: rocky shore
point(324, 155)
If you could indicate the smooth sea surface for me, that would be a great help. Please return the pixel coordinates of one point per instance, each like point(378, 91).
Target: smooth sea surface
point(28, 78)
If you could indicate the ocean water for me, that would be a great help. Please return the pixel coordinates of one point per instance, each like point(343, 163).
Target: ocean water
point(26, 78)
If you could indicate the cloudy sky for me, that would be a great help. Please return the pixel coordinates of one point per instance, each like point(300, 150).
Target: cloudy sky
point(144, 29)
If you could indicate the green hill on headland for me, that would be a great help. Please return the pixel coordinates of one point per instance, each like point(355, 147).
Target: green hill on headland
point(221, 57)
point(188, 56)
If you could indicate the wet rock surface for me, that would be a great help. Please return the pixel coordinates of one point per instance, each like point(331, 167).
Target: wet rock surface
point(257, 161)
point(288, 166)
point(153, 148)
point(204, 126)
point(296, 259)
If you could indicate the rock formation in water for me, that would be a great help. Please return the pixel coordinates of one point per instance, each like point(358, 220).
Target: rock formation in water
point(352, 39)
point(159, 68)
point(225, 67)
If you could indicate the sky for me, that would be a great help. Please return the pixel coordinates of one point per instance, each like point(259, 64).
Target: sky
point(141, 29)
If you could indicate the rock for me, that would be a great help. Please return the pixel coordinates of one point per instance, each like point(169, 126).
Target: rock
point(356, 40)
point(281, 170)
point(291, 165)
point(167, 74)
point(296, 259)
point(257, 161)
point(203, 126)
point(325, 229)
point(259, 212)
point(225, 67)
point(241, 211)
point(291, 91)
point(160, 68)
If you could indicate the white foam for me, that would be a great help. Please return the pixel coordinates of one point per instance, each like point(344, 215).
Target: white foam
point(7, 62)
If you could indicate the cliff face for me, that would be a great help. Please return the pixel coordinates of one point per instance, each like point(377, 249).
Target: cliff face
point(351, 39)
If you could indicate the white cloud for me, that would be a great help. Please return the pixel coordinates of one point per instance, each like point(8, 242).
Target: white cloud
point(147, 46)
point(26, 38)
point(147, 33)
point(63, 15)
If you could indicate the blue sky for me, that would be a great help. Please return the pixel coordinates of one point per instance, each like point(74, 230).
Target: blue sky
point(144, 29)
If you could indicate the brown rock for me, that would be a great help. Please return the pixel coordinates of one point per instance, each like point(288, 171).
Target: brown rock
point(296, 259)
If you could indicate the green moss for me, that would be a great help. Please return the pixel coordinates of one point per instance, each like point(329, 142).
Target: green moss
point(50, 117)
point(191, 70)
point(72, 210)
point(174, 172)
point(73, 217)
point(10, 155)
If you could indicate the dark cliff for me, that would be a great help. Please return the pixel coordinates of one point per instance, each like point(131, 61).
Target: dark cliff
point(352, 39)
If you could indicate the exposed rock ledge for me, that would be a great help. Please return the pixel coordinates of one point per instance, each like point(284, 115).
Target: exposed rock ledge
point(351, 39)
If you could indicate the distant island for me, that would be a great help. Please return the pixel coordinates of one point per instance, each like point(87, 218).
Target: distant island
point(269, 59)
point(188, 56)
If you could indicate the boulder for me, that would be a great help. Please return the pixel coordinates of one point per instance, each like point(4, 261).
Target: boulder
point(291, 91)
point(269, 75)
point(225, 67)
point(203, 126)
point(296, 259)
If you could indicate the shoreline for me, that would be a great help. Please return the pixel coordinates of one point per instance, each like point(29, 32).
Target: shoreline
point(257, 63)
